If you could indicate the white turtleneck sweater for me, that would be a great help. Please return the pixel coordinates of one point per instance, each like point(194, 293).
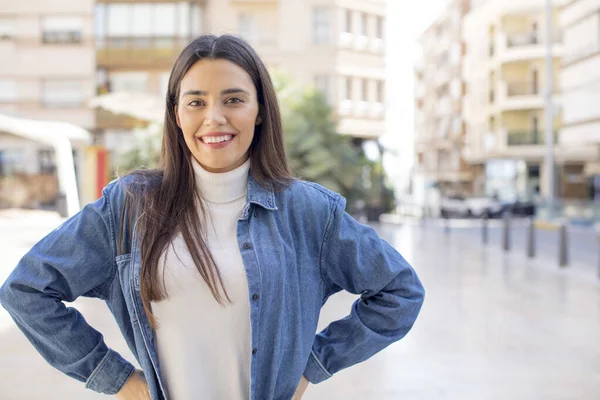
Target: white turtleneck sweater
point(204, 348)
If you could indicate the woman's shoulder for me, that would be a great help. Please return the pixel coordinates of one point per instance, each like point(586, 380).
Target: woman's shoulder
point(311, 195)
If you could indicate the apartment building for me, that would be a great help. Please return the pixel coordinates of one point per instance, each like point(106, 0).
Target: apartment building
point(439, 90)
point(505, 79)
point(336, 45)
point(47, 72)
point(580, 95)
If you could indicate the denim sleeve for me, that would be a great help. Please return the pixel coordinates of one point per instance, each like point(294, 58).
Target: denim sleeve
point(76, 259)
point(356, 259)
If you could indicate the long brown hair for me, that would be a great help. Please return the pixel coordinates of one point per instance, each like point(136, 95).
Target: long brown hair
point(162, 202)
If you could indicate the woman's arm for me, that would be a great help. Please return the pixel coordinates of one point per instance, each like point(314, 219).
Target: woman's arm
point(76, 259)
point(356, 259)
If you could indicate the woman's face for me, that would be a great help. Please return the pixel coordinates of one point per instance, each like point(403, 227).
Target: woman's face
point(217, 111)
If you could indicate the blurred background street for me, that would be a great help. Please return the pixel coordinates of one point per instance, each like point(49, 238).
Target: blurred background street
point(466, 131)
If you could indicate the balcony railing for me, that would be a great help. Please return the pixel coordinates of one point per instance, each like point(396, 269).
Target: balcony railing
point(524, 88)
point(528, 39)
point(131, 51)
point(527, 138)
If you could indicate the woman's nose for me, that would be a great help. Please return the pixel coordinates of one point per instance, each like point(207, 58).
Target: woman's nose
point(214, 116)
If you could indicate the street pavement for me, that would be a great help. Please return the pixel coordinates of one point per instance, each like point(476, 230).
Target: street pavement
point(494, 325)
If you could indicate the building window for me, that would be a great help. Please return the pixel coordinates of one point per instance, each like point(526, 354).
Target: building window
point(133, 82)
point(165, 19)
point(246, 26)
point(8, 91)
point(149, 20)
point(46, 161)
point(12, 161)
point(7, 28)
point(381, 92)
point(62, 29)
point(380, 27)
point(348, 93)
point(348, 21)
point(62, 94)
point(364, 19)
point(196, 20)
point(322, 85)
point(365, 90)
point(100, 23)
point(321, 25)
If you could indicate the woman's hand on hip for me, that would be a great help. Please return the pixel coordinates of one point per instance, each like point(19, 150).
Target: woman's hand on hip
point(136, 388)
point(301, 389)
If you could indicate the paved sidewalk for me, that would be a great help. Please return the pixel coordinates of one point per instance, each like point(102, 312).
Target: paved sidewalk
point(494, 326)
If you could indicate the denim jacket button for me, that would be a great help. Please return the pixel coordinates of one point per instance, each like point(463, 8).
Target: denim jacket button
point(255, 297)
point(254, 351)
point(247, 246)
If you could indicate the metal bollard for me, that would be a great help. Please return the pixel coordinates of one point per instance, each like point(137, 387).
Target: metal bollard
point(446, 225)
point(598, 239)
point(563, 253)
point(506, 241)
point(531, 239)
point(484, 229)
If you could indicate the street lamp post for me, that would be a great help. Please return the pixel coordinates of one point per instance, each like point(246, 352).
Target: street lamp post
point(548, 110)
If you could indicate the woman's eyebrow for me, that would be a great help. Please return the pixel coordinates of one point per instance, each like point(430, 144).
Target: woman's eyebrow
point(205, 93)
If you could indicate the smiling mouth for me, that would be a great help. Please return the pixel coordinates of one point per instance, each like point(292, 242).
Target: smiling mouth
point(216, 139)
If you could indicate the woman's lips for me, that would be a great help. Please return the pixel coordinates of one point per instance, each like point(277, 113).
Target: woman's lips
point(217, 141)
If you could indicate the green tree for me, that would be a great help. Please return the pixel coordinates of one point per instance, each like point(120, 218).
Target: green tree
point(316, 152)
point(145, 153)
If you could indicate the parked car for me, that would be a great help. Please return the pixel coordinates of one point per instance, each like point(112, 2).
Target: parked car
point(520, 208)
point(473, 207)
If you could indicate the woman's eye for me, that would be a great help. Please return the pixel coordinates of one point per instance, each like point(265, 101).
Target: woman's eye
point(194, 103)
point(234, 100)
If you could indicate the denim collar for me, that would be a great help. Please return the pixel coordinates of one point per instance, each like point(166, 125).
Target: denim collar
point(259, 195)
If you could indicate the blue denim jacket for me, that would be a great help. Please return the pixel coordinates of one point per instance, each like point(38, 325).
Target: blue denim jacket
point(298, 246)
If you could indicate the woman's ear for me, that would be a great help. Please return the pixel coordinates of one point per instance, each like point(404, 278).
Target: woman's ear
point(259, 118)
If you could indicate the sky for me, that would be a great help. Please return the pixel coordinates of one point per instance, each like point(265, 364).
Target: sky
point(405, 22)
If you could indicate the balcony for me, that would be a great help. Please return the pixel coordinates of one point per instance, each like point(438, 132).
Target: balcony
point(139, 52)
point(518, 95)
point(527, 138)
point(517, 47)
point(523, 88)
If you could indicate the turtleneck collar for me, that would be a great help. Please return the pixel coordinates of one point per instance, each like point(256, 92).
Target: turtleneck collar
point(223, 187)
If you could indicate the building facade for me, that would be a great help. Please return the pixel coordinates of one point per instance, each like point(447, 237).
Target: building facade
point(439, 91)
point(505, 75)
point(580, 95)
point(47, 73)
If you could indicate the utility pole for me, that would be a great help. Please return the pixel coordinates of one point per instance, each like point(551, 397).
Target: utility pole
point(549, 110)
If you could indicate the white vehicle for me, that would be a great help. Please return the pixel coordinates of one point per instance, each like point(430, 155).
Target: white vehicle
point(477, 207)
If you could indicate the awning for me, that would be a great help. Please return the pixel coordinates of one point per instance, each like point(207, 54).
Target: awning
point(142, 106)
point(59, 135)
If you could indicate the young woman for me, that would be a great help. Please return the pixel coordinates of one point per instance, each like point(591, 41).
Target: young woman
point(216, 265)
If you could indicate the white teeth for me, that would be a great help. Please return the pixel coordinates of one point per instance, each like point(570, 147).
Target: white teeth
point(216, 139)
